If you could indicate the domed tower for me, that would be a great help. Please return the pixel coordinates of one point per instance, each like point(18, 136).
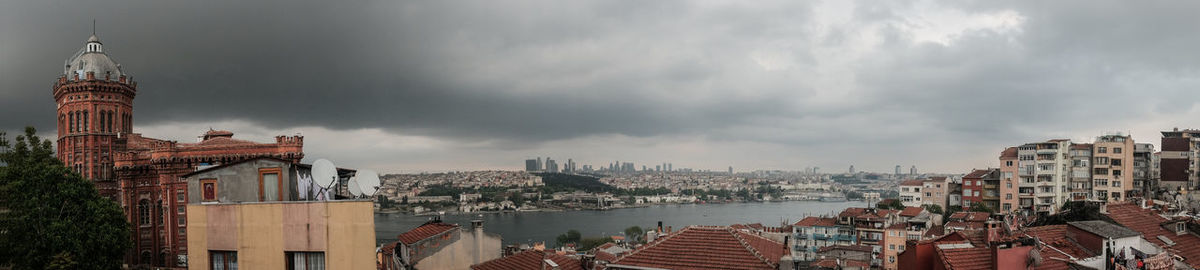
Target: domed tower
point(95, 106)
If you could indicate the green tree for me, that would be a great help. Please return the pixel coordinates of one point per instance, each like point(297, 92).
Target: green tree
point(933, 208)
point(890, 204)
point(633, 234)
point(593, 242)
point(980, 207)
point(572, 236)
point(50, 216)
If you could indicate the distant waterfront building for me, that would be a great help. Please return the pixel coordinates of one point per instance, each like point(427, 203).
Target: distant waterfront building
point(913, 170)
point(731, 170)
point(551, 165)
point(897, 169)
point(851, 169)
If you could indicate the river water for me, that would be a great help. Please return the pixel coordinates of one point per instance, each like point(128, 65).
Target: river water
point(527, 227)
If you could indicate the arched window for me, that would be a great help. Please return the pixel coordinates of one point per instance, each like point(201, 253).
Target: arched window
point(144, 212)
point(110, 121)
point(103, 121)
point(70, 122)
point(85, 121)
point(162, 212)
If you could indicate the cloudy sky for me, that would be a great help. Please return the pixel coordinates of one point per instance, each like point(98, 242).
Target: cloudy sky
point(410, 86)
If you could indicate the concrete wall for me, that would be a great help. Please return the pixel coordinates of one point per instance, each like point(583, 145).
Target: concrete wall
point(473, 247)
point(239, 182)
point(262, 232)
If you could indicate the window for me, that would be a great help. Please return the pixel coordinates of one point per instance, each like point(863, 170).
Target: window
point(180, 197)
point(223, 260)
point(1116, 173)
point(144, 212)
point(1116, 150)
point(269, 184)
point(1102, 150)
point(1116, 162)
point(305, 260)
point(1008, 196)
point(209, 190)
point(1008, 163)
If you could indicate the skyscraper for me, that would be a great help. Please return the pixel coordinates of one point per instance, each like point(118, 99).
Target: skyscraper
point(913, 170)
point(531, 165)
point(851, 169)
point(897, 169)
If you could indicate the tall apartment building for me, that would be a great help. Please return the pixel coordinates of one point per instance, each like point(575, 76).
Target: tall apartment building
point(935, 190)
point(910, 192)
point(1042, 170)
point(983, 187)
point(1008, 181)
point(1080, 185)
point(1178, 159)
point(1143, 169)
point(1112, 167)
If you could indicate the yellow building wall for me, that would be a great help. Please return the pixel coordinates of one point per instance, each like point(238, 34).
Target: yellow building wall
point(344, 230)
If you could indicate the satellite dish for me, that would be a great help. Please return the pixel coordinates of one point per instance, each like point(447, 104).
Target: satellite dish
point(324, 173)
point(353, 187)
point(368, 182)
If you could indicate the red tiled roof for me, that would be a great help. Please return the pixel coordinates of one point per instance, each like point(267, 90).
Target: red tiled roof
point(912, 182)
point(911, 211)
point(965, 225)
point(859, 248)
point(832, 263)
point(816, 221)
point(859, 212)
point(1056, 236)
point(429, 229)
point(1149, 224)
point(965, 258)
point(529, 260)
point(976, 174)
point(697, 247)
point(970, 216)
point(937, 179)
point(934, 231)
point(1010, 152)
point(1081, 146)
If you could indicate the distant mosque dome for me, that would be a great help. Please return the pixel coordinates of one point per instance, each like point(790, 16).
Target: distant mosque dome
point(91, 58)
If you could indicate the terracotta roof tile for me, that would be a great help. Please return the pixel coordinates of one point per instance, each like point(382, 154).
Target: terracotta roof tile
point(976, 174)
point(912, 182)
point(832, 263)
point(816, 221)
point(529, 260)
point(1010, 152)
point(965, 257)
point(697, 247)
point(1149, 224)
point(911, 211)
point(429, 229)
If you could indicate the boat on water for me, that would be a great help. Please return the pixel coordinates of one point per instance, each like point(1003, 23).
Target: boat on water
point(833, 199)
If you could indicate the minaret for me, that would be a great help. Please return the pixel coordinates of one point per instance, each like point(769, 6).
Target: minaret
point(95, 106)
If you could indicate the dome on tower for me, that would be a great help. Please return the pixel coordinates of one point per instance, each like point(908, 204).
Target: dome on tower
point(91, 58)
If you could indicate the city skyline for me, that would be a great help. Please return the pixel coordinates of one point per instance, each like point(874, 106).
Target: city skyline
point(786, 86)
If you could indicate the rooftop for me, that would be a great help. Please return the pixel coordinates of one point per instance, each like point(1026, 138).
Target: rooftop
point(530, 260)
point(723, 248)
point(1148, 223)
point(1104, 229)
point(427, 230)
point(817, 221)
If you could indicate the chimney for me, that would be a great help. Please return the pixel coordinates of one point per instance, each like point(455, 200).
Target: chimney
point(660, 228)
point(668, 229)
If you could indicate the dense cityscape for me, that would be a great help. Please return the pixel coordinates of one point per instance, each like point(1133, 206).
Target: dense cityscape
point(402, 135)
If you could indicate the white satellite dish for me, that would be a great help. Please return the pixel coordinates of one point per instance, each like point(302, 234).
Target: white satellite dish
point(368, 182)
point(324, 173)
point(353, 187)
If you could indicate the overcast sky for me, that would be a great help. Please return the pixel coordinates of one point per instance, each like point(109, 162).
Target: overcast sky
point(411, 86)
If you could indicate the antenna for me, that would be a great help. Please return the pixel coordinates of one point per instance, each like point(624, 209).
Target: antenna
point(324, 173)
point(368, 182)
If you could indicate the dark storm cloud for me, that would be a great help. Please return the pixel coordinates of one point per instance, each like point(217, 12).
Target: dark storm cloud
point(476, 69)
point(830, 79)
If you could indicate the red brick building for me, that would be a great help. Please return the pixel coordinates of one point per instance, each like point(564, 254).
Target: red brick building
point(95, 137)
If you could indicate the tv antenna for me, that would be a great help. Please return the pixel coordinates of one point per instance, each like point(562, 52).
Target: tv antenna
point(324, 174)
point(368, 182)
